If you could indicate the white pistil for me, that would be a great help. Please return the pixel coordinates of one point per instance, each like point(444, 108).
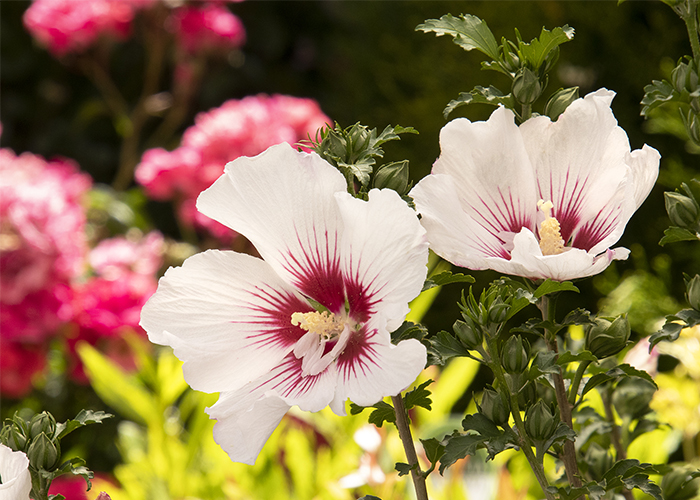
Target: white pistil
point(551, 242)
point(321, 328)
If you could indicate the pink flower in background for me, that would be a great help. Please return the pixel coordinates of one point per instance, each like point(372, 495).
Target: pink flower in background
point(206, 28)
point(244, 127)
point(65, 26)
point(42, 223)
point(109, 305)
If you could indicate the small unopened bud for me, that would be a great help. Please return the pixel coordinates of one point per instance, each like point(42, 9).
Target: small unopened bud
point(515, 355)
point(540, 423)
point(550, 60)
point(632, 397)
point(494, 407)
point(599, 461)
point(682, 210)
point(393, 176)
point(606, 338)
point(692, 121)
point(685, 77)
point(526, 86)
point(677, 485)
point(510, 60)
point(44, 453)
point(13, 437)
point(693, 292)
point(498, 312)
point(469, 334)
point(42, 422)
point(559, 101)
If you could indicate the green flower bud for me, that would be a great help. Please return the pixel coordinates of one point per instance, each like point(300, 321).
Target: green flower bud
point(42, 422)
point(526, 86)
point(540, 423)
point(599, 461)
point(693, 292)
point(527, 394)
point(684, 77)
point(393, 176)
point(498, 312)
point(605, 338)
point(632, 397)
point(494, 407)
point(559, 101)
point(510, 60)
point(675, 485)
point(13, 437)
point(515, 355)
point(550, 60)
point(43, 453)
point(682, 210)
point(692, 121)
point(469, 334)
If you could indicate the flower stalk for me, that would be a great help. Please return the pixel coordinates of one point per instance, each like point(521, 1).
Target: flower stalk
point(404, 429)
point(569, 451)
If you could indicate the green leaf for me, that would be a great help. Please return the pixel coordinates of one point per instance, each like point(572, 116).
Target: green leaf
point(467, 31)
point(407, 331)
point(625, 371)
point(535, 53)
point(433, 448)
point(445, 278)
point(445, 346)
point(480, 95)
point(595, 381)
point(675, 234)
point(577, 317)
point(419, 396)
point(369, 497)
point(569, 357)
point(84, 417)
point(551, 286)
point(383, 412)
point(459, 447)
point(404, 469)
point(655, 94)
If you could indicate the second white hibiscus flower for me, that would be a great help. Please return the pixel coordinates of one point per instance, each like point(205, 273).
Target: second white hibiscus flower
point(540, 200)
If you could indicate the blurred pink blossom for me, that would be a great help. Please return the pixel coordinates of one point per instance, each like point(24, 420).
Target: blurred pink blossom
point(206, 28)
point(42, 223)
point(115, 257)
point(65, 26)
point(244, 127)
point(640, 358)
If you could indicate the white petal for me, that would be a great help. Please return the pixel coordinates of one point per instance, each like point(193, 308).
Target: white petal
point(245, 423)
point(384, 255)
point(579, 164)
point(371, 368)
point(571, 264)
point(283, 201)
point(453, 234)
point(491, 170)
point(227, 316)
point(14, 471)
point(645, 169)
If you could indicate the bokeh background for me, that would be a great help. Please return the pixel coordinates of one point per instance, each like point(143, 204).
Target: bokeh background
point(360, 61)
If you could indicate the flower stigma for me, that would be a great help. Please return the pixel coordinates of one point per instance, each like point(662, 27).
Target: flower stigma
point(551, 242)
point(322, 328)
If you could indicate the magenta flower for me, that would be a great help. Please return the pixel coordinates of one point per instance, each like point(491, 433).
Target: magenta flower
point(244, 127)
point(71, 26)
point(541, 200)
point(310, 324)
point(207, 28)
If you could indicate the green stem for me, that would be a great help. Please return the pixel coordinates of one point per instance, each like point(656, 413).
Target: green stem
point(525, 443)
point(404, 429)
point(526, 112)
point(691, 24)
point(573, 390)
point(569, 450)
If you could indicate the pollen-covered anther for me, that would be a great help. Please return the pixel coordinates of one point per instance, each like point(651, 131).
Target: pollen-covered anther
point(327, 325)
point(551, 242)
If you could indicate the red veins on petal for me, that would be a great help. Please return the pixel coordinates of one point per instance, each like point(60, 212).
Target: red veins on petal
point(275, 318)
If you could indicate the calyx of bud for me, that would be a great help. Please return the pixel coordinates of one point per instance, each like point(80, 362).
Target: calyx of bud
point(693, 292)
point(559, 101)
point(526, 86)
point(682, 210)
point(515, 355)
point(540, 422)
point(44, 453)
point(494, 407)
point(606, 338)
point(468, 333)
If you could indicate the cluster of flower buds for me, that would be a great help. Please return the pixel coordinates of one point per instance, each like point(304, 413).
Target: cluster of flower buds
point(35, 437)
